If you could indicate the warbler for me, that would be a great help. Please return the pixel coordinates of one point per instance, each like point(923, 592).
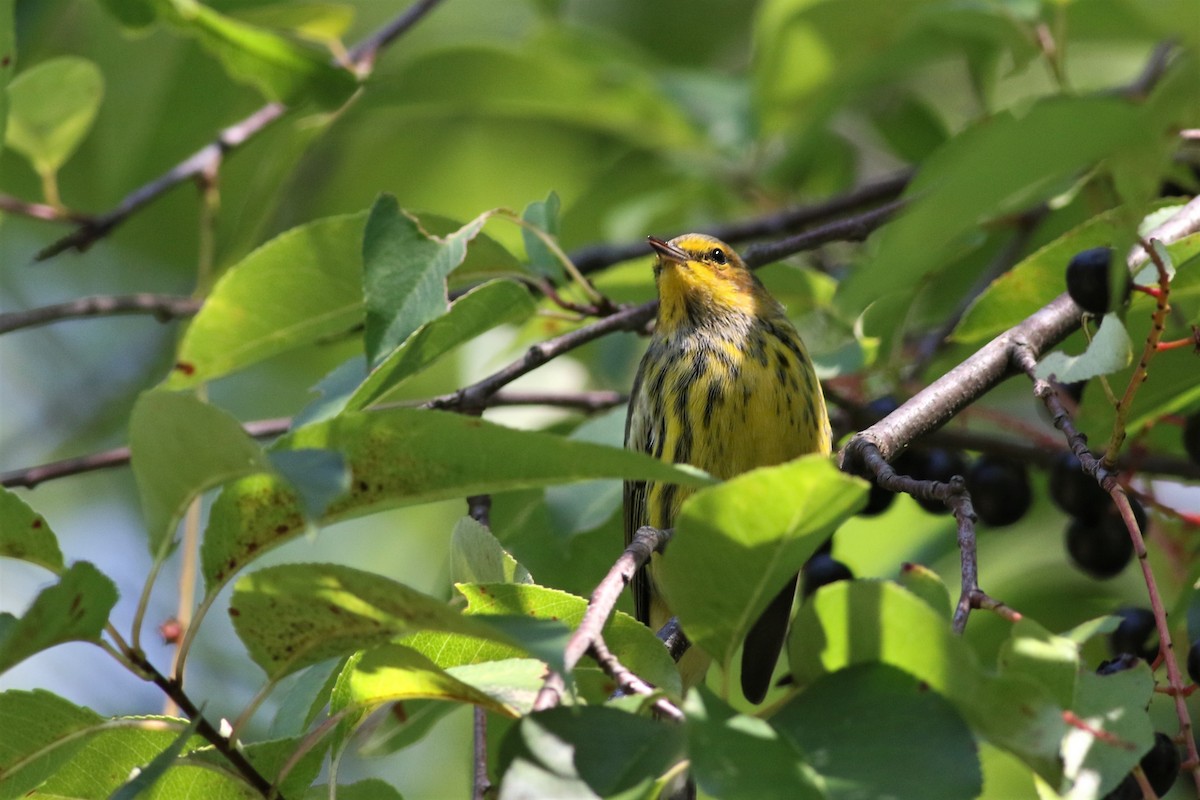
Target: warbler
point(726, 385)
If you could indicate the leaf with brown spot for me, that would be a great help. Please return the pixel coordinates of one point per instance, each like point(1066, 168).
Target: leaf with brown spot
point(74, 609)
point(25, 535)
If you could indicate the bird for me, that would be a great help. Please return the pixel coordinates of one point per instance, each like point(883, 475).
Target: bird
point(726, 385)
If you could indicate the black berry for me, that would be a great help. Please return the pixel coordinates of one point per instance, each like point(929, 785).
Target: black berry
point(1161, 764)
point(1191, 437)
point(1076, 493)
point(1087, 279)
point(1193, 662)
point(820, 570)
point(1101, 549)
point(879, 500)
point(1136, 634)
point(1118, 663)
point(999, 490)
point(934, 464)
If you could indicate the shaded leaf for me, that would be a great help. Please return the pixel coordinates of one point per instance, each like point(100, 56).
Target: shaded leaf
point(150, 773)
point(1113, 705)
point(39, 737)
point(76, 608)
point(25, 534)
point(737, 756)
point(283, 70)
point(880, 732)
point(479, 310)
point(318, 476)
point(543, 215)
point(51, 108)
point(404, 285)
point(585, 752)
point(181, 447)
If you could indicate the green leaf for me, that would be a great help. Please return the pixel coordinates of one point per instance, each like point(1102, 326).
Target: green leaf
point(911, 128)
point(749, 536)
point(303, 285)
point(631, 641)
point(479, 310)
point(51, 108)
point(580, 507)
point(863, 622)
point(318, 476)
point(305, 698)
point(149, 774)
point(318, 22)
point(927, 585)
point(1109, 351)
point(515, 682)
point(404, 285)
point(1003, 164)
point(25, 534)
point(370, 789)
point(8, 60)
point(584, 752)
point(404, 456)
point(133, 14)
point(394, 673)
point(283, 70)
point(476, 556)
point(74, 609)
point(1052, 661)
point(737, 756)
point(295, 615)
point(543, 215)
point(1040, 277)
point(40, 736)
point(1114, 705)
point(181, 447)
point(858, 719)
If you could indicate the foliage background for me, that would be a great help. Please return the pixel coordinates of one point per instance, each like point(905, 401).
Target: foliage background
point(643, 118)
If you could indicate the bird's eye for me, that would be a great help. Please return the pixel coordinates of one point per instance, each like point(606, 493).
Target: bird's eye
point(718, 255)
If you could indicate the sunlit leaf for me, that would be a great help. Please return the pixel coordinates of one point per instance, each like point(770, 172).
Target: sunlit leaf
point(1109, 351)
point(403, 456)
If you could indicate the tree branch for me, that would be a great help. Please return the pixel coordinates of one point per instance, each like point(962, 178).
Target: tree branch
point(162, 306)
point(600, 607)
point(94, 228)
point(595, 257)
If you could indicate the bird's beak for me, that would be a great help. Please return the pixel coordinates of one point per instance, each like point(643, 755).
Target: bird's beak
point(667, 251)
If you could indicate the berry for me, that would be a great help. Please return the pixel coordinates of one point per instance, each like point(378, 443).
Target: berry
point(1191, 437)
point(1101, 549)
point(1087, 279)
point(1076, 493)
point(1136, 634)
point(879, 500)
point(1193, 662)
point(1127, 789)
point(1161, 764)
point(820, 570)
point(999, 490)
point(1117, 664)
point(934, 464)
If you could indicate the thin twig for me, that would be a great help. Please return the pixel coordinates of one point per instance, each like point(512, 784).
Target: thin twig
point(600, 607)
point(40, 211)
point(595, 257)
point(227, 748)
point(630, 683)
point(97, 227)
point(163, 307)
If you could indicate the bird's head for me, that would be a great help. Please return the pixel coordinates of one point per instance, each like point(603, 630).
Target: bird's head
point(700, 277)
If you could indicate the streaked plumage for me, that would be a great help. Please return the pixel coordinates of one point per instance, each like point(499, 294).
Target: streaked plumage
point(726, 385)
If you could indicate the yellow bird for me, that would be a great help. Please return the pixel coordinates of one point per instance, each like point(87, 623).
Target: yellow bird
point(726, 385)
